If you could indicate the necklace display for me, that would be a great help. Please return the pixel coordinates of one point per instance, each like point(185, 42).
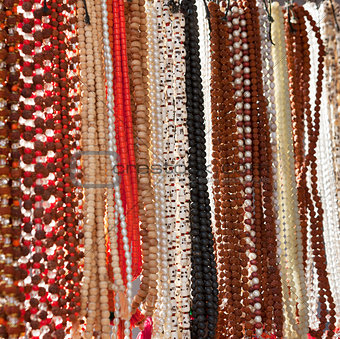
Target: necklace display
point(190, 146)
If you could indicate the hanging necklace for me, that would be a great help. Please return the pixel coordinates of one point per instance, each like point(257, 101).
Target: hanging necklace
point(199, 208)
point(10, 87)
point(325, 155)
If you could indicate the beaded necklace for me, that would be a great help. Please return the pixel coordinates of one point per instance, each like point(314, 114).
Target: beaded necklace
point(10, 87)
point(137, 50)
point(262, 172)
point(156, 146)
point(183, 241)
point(165, 320)
point(35, 101)
point(325, 155)
point(296, 242)
point(286, 180)
point(125, 137)
point(167, 63)
point(227, 174)
point(202, 262)
point(311, 196)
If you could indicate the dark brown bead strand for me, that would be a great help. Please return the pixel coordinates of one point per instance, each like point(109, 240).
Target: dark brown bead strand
point(10, 192)
point(265, 228)
point(300, 57)
point(71, 137)
point(229, 211)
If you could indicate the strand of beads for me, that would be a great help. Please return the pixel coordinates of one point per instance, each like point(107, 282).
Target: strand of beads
point(167, 63)
point(222, 257)
point(125, 145)
point(253, 243)
point(271, 284)
point(229, 214)
point(317, 221)
point(183, 243)
point(74, 196)
point(101, 278)
point(163, 318)
point(295, 246)
point(135, 238)
point(138, 73)
point(204, 48)
point(203, 266)
point(92, 194)
point(112, 149)
point(252, 320)
point(10, 191)
point(35, 100)
point(88, 141)
point(84, 105)
point(286, 177)
point(331, 38)
point(325, 154)
point(53, 87)
point(244, 129)
point(269, 93)
point(241, 97)
point(156, 147)
point(250, 122)
point(69, 221)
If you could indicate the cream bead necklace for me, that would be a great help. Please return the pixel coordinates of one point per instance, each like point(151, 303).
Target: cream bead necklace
point(163, 323)
point(270, 95)
point(183, 239)
point(89, 222)
point(290, 242)
point(97, 316)
point(168, 119)
point(169, 135)
point(177, 181)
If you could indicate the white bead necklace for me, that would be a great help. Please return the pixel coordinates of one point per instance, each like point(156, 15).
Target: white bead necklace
point(169, 134)
point(182, 179)
point(155, 37)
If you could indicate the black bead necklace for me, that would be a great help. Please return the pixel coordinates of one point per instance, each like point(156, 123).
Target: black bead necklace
point(203, 266)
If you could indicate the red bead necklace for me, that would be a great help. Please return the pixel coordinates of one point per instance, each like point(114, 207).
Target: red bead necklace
point(125, 143)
